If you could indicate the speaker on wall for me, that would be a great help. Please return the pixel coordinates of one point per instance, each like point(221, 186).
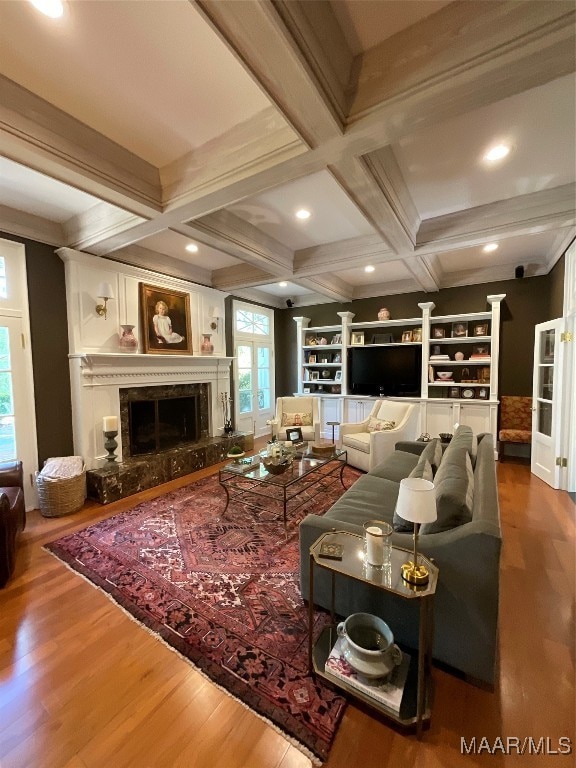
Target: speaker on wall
point(289, 303)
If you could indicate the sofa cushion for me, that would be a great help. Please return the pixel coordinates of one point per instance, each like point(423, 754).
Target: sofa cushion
point(433, 454)
point(296, 420)
point(358, 440)
point(370, 498)
point(423, 470)
point(395, 467)
point(454, 492)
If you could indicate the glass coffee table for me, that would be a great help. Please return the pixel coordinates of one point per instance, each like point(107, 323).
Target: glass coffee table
point(287, 491)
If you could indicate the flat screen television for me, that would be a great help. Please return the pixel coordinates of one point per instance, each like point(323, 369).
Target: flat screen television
point(392, 371)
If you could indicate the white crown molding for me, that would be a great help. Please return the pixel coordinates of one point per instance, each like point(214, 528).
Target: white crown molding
point(102, 220)
point(240, 275)
point(329, 285)
point(386, 289)
point(21, 224)
point(43, 137)
point(161, 263)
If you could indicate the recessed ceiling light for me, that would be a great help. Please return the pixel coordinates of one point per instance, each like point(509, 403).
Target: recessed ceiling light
point(497, 152)
point(490, 247)
point(369, 268)
point(303, 214)
point(192, 248)
point(52, 8)
point(283, 284)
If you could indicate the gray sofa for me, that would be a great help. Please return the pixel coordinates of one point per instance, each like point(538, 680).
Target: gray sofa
point(467, 552)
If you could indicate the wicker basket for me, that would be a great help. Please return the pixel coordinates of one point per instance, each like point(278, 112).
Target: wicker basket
point(61, 496)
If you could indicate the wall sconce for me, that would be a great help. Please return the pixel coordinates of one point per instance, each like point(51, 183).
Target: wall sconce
point(215, 319)
point(105, 293)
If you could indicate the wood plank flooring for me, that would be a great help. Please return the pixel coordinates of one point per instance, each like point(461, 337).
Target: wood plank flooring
point(84, 686)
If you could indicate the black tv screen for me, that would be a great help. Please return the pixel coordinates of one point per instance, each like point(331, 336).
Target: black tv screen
point(393, 371)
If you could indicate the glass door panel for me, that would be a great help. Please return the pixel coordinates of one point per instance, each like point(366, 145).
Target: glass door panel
point(264, 375)
point(7, 427)
point(244, 354)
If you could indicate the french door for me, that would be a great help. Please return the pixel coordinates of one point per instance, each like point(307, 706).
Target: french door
point(17, 414)
point(254, 400)
point(547, 401)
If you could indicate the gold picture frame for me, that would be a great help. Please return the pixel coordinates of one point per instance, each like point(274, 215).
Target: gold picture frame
point(165, 321)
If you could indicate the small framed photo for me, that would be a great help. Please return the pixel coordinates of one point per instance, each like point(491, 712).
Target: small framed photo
point(417, 334)
point(337, 358)
point(481, 350)
point(294, 434)
point(484, 375)
point(320, 388)
point(357, 339)
point(459, 329)
point(312, 359)
point(482, 393)
point(407, 336)
point(481, 329)
point(338, 376)
point(454, 392)
point(336, 339)
point(314, 375)
point(438, 332)
point(306, 390)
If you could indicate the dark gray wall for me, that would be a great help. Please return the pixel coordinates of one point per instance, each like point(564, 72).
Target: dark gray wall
point(49, 329)
point(557, 289)
point(528, 302)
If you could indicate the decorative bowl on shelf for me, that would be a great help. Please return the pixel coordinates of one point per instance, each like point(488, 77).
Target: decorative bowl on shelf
point(276, 465)
point(444, 375)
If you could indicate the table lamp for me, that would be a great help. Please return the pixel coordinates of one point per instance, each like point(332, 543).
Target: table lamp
point(417, 504)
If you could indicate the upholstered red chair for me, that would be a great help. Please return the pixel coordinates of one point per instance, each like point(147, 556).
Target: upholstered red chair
point(515, 421)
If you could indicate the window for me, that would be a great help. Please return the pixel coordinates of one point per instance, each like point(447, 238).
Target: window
point(252, 322)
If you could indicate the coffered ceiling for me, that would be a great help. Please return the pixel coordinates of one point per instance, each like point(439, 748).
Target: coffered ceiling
point(132, 128)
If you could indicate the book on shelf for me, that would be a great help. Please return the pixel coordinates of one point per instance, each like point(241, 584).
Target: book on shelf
point(387, 691)
point(439, 357)
point(479, 357)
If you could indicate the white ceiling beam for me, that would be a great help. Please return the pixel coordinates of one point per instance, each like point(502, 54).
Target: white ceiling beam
point(501, 43)
point(137, 256)
point(43, 137)
point(22, 224)
point(330, 286)
point(344, 254)
point(102, 220)
point(385, 289)
point(239, 238)
point(525, 214)
point(240, 275)
point(259, 37)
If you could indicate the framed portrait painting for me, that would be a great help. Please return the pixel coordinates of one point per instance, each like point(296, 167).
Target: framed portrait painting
point(165, 321)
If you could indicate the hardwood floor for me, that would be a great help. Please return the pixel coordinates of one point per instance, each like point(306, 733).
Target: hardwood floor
point(84, 686)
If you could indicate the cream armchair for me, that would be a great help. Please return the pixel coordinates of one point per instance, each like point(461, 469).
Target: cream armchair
point(367, 448)
point(303, 412)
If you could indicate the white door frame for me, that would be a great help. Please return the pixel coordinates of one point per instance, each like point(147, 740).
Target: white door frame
point(547, 449)
point(14, 308)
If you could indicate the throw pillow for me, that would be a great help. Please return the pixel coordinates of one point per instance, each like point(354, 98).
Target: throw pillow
point(296, 420)
point(424, 470)
point(454, 493)
point(433, 454)
point(379, 425)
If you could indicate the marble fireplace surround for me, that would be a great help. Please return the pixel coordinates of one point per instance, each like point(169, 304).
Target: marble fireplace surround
point(97, 379)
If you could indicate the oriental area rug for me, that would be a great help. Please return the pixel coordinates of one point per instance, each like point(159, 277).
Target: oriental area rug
point(223, 591)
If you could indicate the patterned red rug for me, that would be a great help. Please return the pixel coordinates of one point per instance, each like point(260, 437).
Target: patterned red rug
point(224, 592)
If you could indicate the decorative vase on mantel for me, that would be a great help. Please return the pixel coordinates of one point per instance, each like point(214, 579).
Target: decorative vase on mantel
point(127, 341)
point(206, 348)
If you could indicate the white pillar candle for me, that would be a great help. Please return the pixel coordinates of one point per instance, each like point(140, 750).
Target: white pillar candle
point(110, 423)
point(374, 545)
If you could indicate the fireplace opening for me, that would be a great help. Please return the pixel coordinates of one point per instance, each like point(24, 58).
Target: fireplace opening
point(163, 423)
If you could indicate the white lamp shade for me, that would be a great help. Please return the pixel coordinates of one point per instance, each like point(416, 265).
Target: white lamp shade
point(416, 500)
point(105, 291)
point(216, 313)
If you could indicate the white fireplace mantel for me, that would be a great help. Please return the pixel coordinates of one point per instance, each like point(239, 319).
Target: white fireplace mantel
point(98, 377)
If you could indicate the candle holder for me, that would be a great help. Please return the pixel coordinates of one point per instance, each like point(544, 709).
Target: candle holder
point(110, 444)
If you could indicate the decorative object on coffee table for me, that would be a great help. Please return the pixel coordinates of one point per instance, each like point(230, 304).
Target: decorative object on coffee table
point(322, 448)
point(417, 504)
